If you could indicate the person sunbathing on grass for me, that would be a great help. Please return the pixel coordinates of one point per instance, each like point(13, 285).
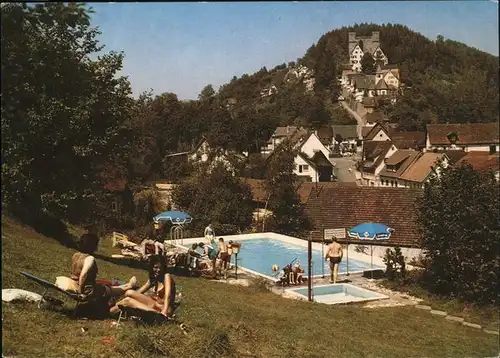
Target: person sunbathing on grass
point(163, 296)
point(84, 272)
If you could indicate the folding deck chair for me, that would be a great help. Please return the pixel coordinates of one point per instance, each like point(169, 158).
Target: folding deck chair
point(150, 317)
point(49, 285)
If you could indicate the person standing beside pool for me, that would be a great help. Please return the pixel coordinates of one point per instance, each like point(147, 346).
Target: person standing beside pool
point(335, 254)
point(224, 256)
point(211, 253)
point(209, 234)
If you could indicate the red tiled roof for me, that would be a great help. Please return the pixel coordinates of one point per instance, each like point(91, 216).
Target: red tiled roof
point(365, 130)
point(468, 133)
point(260, 194)
point(481, 161)
point(421, 169)
point(374, 117)
point(403, 157)
point(345, 207)
point(454, 155)
point(415, 137)
point(305, 188)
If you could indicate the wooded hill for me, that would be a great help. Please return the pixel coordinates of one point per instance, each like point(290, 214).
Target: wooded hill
point(446, 81)
point(72, 135)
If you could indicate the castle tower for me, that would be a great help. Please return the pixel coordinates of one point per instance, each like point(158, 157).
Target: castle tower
point(352, 41)
point(375, 40)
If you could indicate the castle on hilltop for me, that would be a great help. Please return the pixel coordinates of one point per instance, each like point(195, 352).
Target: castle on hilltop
point(359, 45)
point(365, 92)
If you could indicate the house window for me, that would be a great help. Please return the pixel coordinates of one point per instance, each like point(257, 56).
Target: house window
point(392, 182)
point(493, 149)
point(303, 168)
point(114, 205)
point(382, 182)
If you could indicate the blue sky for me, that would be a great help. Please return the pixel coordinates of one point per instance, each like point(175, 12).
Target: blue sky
point(182, 47)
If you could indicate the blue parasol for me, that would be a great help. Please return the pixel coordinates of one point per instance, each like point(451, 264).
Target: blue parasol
point(175, 217)
point(370, 231)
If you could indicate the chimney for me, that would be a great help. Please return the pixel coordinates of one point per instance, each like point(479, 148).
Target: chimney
point(287, 129)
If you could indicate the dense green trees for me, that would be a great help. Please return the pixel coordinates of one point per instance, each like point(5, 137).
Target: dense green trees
point(71, 132)
point(368, 65)
point(460, 224)
point(63, 111)
point(216, 196)
point(280, 182)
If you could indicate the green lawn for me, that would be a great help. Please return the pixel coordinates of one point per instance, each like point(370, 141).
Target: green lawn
point(486, 316)
point(226, 320)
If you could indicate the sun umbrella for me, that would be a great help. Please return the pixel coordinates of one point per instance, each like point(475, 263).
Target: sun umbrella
point(175, 217)
point(370, 231)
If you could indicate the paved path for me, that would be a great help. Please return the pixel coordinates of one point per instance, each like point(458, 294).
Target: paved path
point(341, 169)
point(356, 116)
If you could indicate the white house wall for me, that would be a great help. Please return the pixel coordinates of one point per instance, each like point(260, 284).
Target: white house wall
point(312, 145)
point(311, 172)
point(390, 79)
point(381, 136)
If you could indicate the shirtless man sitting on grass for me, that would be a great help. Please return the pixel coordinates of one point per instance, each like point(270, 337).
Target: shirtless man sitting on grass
point(335, 254)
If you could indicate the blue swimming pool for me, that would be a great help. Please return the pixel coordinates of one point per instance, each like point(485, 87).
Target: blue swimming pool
point(260, 254)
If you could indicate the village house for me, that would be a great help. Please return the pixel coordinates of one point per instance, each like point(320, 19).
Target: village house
point(311, 161)
point(340, 208)
point(348, 135)
point(383, 131)
point(414, 171)
point(464, 136)
point(280, 134)
point(373, 160)
point(483, 162)
point(203, 152)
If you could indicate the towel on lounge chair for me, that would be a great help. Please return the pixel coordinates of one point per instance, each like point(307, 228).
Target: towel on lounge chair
point(49, 285)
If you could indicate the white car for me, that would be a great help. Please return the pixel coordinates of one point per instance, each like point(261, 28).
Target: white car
point(341, 98)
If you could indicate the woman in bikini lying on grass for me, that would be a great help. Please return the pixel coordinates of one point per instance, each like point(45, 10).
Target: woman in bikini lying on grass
point(163, 297)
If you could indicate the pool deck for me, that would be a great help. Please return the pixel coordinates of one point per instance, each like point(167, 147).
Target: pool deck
point(394, 298)
point(245, 276)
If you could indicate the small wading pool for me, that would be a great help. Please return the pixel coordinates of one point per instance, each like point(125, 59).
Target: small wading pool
point(338, 293)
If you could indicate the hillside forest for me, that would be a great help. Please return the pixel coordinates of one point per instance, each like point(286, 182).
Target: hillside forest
point(73, 135)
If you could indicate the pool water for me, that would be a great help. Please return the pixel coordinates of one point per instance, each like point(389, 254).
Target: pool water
point(340, 293)
point(261, 254)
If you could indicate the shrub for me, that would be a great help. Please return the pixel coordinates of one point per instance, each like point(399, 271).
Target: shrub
point(459, 218)
point(395, 264)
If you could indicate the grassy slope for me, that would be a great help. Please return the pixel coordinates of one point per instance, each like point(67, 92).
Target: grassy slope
point(247, 321)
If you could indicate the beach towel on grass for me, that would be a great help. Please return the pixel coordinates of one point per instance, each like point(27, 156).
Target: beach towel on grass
point(15, 294)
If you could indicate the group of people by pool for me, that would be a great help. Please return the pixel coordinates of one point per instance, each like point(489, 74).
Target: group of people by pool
point(294, 275)
point(215, 260)
point(290, 275)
